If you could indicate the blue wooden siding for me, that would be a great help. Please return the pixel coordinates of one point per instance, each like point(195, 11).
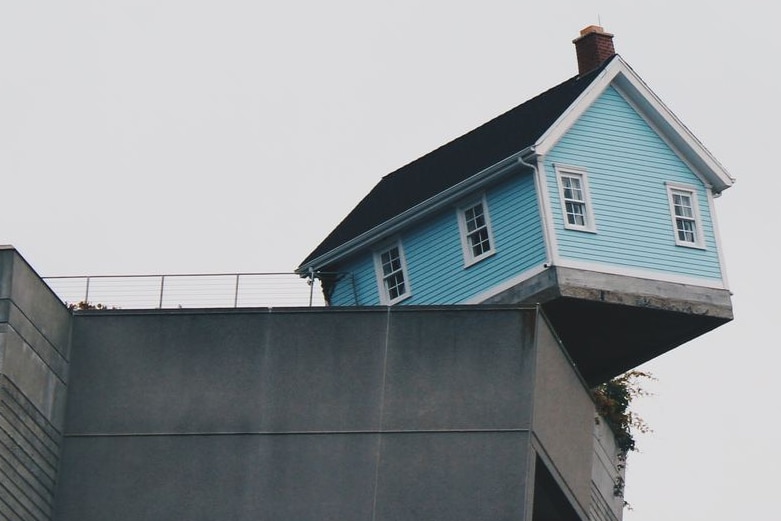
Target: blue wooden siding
point(435, 261)
point(627, 165)
point(358, 286)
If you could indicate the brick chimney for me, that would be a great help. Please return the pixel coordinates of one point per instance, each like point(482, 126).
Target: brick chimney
point(593, 47)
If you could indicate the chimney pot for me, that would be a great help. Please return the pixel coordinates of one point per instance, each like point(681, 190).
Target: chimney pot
point(593, 47)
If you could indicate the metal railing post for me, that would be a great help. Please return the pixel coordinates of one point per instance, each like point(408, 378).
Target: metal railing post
point(162, 286)
point(86, 292)
point(236, 292)
point(311, 285)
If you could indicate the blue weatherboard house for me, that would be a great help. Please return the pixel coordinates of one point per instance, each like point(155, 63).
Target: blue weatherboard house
point(592, 200)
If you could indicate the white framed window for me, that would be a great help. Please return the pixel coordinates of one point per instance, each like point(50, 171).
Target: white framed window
point(575, 199)
point(685, 214)
point(392, 278)
point(477, 240)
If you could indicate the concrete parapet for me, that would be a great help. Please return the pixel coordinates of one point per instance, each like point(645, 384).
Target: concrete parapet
point(346, 413)
point(34, 367)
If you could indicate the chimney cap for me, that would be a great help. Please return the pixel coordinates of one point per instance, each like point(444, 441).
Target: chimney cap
point(592, 29)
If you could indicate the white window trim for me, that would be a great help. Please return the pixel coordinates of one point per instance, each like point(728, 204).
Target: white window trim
point(691, 191)
point(567, 171)
point(466, 248)
point(382, 289)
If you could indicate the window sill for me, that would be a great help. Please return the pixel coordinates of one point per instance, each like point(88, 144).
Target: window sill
point(476, 260)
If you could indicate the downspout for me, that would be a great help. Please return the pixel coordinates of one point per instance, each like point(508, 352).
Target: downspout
point(541, 199)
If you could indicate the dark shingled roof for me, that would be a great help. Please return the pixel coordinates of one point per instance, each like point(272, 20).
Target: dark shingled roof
point(456, 161)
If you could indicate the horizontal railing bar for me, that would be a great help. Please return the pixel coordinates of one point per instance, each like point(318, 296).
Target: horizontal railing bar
point(141, 291)
point(154, 275)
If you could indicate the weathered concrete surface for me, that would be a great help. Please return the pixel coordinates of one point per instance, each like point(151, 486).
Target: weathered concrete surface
point(34, 350)
point(472, 412)
point(563, 417)
point(611, 323)
point(382, 413)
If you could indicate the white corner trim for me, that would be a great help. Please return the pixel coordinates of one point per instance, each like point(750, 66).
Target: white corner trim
point(717, 238)
point(568, 118)
point(546, 212)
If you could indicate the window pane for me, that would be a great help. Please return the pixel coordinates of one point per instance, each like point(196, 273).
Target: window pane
point(477, 236)
point(686, 230)
point(480, 242)
point(576, 213)
point(683, 205)
point(572, 189)
point(395, 285)
point(474, 218)
point(393, 273)
point(390, 261)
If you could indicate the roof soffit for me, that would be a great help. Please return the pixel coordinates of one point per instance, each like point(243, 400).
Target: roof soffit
point(672, 130)
point(420, 211)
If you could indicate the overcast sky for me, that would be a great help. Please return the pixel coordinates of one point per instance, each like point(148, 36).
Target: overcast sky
point(173, 136)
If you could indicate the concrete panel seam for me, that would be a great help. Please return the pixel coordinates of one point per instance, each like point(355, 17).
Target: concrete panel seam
point(287, 433)
point(47, 469)
point(39, 445)
point(8, 431)
point(37, 329)
point(49, 487)
point(21, 479)
point(20, 516)
point(17, 402)
point(43, 360)
point(20, 496)
point(378, 458)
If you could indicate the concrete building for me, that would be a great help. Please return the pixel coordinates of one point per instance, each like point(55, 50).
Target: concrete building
point(449, 379)
point(439, 412)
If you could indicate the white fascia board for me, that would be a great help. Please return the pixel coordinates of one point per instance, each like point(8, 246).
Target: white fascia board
point(568, 118)
point(717, 237)
point(546, 214)
point(650, 107)
point(417, 212)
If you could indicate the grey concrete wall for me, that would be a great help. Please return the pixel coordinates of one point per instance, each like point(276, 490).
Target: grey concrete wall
point(563, 419)
point(299, 414)
point(34, 350)
point(606, 468)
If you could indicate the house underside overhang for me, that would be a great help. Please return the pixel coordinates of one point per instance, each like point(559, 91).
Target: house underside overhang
point(612, 323)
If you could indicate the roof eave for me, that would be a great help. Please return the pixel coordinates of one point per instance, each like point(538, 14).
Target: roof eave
point(620, 74)
point(415, 213)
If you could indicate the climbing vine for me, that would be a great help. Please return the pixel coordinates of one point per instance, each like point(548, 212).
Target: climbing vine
point(613, 400)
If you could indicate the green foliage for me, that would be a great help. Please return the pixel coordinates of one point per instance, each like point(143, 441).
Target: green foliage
point(613, 399)
point(83, 304)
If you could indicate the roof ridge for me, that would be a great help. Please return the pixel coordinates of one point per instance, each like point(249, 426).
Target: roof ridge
point(457, 160)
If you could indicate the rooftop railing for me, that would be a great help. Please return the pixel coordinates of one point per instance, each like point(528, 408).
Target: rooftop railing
point(216, 290)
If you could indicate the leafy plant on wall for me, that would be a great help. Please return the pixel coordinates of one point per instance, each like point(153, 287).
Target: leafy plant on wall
point(83, 304)
point(613, 400)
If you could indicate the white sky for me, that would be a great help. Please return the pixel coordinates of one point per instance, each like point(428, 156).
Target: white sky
point(174, 136)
